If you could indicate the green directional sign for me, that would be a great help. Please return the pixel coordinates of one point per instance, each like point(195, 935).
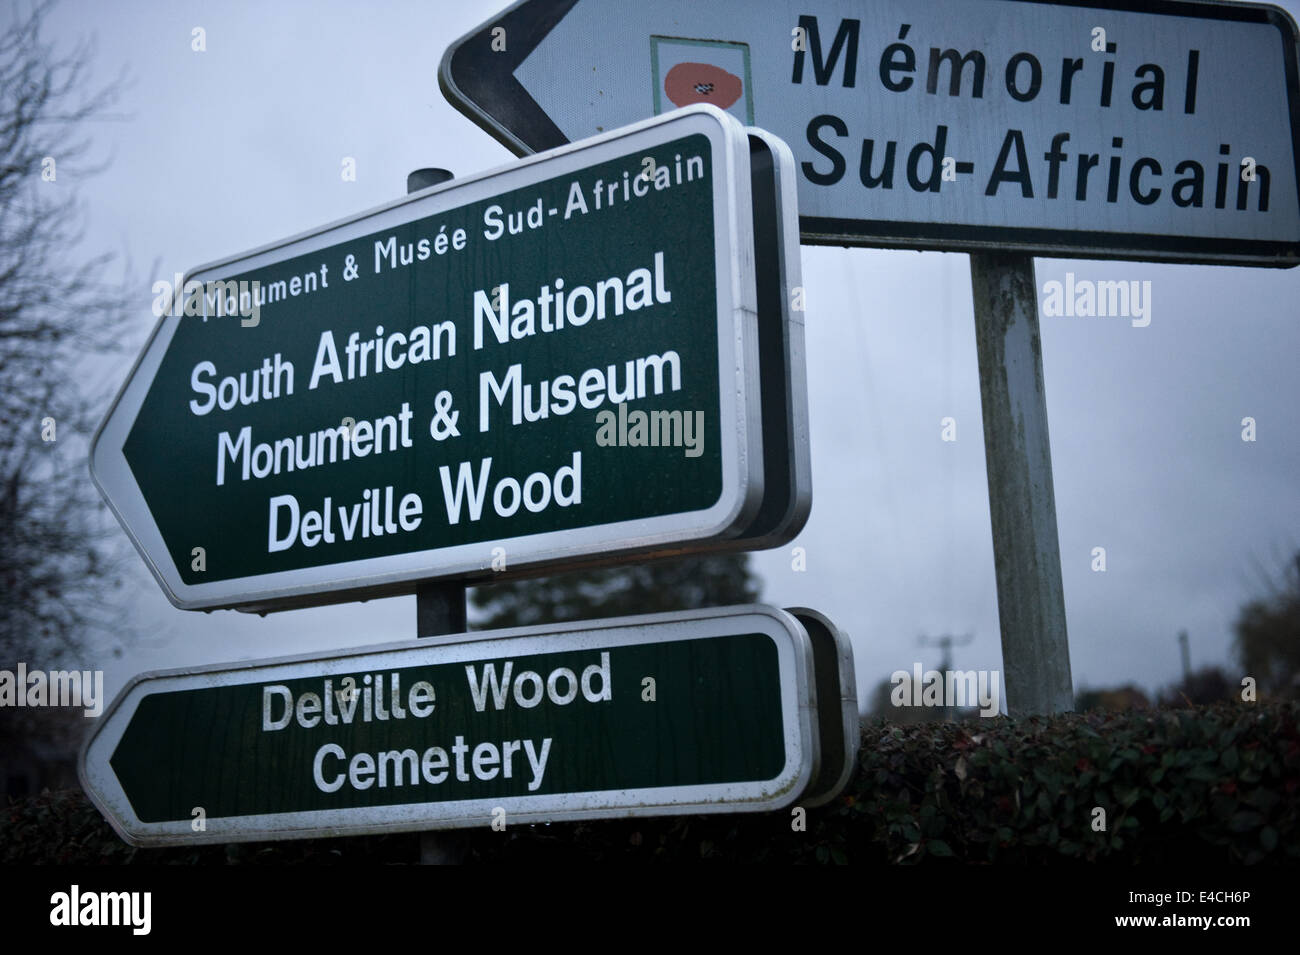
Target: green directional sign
point(515, 371)
point(691, 712)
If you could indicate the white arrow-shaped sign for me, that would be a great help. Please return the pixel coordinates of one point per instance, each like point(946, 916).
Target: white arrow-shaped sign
point(1129, 130)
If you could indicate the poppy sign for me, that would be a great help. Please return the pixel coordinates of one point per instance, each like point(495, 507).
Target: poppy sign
point(686, 72)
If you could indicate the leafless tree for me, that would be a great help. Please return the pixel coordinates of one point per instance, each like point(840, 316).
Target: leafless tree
point(60, 315)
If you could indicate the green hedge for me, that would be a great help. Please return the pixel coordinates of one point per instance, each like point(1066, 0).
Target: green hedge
point(1203, 785)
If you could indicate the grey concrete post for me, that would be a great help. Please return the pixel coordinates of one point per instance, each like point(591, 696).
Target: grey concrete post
point(1022, 503)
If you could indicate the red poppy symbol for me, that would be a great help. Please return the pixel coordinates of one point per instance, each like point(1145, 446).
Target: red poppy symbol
point(688, 83)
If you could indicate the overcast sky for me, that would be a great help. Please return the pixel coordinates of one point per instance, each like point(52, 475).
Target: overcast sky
point(240, 145)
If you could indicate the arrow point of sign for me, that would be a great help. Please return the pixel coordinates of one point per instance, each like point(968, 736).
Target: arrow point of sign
point(480, 81)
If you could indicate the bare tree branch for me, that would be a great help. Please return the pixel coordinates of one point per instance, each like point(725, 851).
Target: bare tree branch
point(61, 557)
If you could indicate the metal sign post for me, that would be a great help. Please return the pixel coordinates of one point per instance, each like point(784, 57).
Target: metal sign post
point(1022, 503)
point(440, 606)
